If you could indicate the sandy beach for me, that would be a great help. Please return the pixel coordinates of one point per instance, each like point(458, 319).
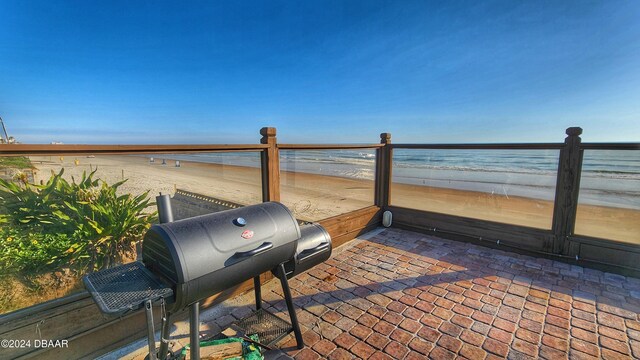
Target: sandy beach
point(315, 197)
point(310, 197)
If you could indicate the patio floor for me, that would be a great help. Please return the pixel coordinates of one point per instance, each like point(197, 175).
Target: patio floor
point(405, 295)
point(395, 294)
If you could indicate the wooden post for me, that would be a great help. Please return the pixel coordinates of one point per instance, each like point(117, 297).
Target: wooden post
point(384, 159)
point(270, 160)
point(567, 189)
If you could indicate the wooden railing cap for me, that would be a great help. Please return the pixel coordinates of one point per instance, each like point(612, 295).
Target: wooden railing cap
point(385, 138)
point(574, 131)
point(268, 131)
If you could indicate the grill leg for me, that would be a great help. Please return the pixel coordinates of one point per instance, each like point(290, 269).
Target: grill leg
point(194, 329)
point(150, 335)
point(164, 337)
point(289, 300)
point(258, 291)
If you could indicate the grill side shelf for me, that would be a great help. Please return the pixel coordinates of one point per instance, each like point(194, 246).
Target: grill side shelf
point(125, 288)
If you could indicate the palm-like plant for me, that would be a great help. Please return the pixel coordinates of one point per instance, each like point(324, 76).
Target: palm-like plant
point(101, 225)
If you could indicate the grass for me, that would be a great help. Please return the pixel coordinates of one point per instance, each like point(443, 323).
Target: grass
point(15, 162)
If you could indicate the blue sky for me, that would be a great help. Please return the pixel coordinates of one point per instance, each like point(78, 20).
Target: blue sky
point(343, 71)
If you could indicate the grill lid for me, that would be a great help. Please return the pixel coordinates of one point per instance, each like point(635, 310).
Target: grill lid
point(191, 248)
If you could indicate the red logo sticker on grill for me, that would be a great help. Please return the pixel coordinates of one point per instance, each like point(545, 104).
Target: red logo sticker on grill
point(247, 234)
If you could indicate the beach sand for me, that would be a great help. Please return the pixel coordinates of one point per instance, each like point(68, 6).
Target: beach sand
point(314, 197)
point(595, 221)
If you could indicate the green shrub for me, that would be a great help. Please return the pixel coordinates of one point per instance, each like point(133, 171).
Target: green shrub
point(85, 224)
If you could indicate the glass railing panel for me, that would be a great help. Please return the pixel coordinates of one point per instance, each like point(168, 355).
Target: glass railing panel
point(62, 216)
point(507, 186)
point(609, 199)
point(317, 184)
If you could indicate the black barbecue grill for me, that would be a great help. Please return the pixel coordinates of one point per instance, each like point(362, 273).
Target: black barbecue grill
point(206, 254)
point(189, 260)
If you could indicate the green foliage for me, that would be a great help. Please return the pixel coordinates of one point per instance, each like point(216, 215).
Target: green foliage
point(15, 162)
point(32, 253)
point(84, 224)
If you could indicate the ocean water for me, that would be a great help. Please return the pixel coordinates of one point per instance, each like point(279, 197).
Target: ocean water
point(609, 178)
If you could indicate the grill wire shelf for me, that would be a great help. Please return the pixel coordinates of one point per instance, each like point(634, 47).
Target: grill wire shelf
point(125, 288)
point(269, 328)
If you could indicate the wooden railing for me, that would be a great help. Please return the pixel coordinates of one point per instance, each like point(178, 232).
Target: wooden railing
point(559, 242)
point(77, 319)
point(32, 150)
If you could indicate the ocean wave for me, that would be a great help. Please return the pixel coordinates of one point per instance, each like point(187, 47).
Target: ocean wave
point(618, 174)
point(423, 180)
point(330, 160)
point(459, 168)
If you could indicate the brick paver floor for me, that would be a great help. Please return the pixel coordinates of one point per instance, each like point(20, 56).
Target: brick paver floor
point(405, 295)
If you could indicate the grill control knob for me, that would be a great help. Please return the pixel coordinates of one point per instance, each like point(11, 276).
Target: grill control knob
point(240, 221)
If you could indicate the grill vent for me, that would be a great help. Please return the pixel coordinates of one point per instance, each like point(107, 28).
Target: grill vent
point(156, 255)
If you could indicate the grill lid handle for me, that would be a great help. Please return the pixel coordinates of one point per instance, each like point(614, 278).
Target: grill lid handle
point(260, 249)
point(309, 253)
